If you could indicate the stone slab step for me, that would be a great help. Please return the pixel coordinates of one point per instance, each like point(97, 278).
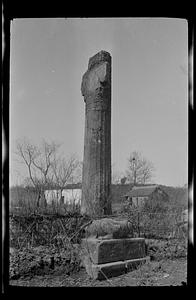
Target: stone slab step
point(112, 269)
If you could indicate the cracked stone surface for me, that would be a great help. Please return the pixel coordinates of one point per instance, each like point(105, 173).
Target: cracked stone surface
point(96, 180)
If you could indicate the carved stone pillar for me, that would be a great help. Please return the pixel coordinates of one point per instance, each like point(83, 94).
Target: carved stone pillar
point(96, 178)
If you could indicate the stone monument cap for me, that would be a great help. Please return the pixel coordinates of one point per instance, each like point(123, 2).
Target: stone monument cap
point(98, 58)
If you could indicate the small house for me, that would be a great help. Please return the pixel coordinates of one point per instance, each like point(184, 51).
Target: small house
point(139, 194)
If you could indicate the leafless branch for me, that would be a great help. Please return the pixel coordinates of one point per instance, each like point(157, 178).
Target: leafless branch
point(140, 170)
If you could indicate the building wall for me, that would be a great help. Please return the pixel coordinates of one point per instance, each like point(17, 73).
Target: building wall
point(70, 196)
point(117, 190)
point(157, 195)
point(139, 201)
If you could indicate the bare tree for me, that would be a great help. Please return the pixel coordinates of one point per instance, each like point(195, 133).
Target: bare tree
point(140, 170)
point(39, 163)
point(63, 170)
point(77, 173)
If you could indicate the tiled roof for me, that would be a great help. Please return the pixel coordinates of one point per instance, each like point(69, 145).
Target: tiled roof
point(141, 191)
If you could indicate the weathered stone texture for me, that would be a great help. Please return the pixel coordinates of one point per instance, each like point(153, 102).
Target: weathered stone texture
point(96, 179)
point(109, 248)
point(104, 271)
point(105, 228)
point(105, 251)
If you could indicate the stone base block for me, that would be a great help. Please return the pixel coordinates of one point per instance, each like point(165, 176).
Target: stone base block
point(100, 251)
point(112, 269)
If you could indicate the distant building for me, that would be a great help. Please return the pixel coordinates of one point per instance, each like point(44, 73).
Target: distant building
point(139, 194)
point(71, 194)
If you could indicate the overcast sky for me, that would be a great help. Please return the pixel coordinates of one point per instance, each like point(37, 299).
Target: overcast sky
point(149, 88)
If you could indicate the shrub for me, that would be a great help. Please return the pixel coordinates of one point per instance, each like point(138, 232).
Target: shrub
point(46, 230)
point(155, 219)
point(170, 249)
point(40, 243)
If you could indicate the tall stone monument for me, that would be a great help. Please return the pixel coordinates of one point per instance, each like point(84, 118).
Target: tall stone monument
point(109, 247)
point(96, 178)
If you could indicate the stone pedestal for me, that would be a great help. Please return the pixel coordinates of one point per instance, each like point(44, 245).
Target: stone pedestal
point(107, 258)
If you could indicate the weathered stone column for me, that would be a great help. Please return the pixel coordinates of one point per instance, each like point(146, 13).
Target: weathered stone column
point(96, 178)
point(108, 248)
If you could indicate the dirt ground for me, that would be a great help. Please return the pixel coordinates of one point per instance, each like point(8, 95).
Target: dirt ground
point(154, 273)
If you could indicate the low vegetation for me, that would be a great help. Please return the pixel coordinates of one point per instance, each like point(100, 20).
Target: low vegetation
point(42, 243)
point(47, 240)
